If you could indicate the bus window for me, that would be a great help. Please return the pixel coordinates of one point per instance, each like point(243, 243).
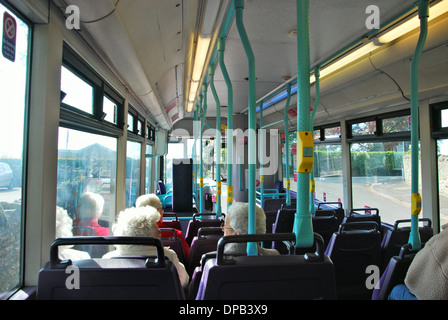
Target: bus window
point(76, 92)
point(86, 163)
point(328, 172)
point(13, 84)
point(381, 178)
point(133, 154)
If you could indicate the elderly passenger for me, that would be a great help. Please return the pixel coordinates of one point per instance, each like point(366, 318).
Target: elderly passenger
point(236, 223)
point(142, 222)
point(153, 201)
point(90, 209)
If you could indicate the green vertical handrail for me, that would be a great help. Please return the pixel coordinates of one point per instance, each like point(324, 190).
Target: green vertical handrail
point(229, 153)
point(303, 227)
point(416, 200)
point(252, 148)
point(211, 73)
point(313, 115)
point(286, 123)
point(261, 144)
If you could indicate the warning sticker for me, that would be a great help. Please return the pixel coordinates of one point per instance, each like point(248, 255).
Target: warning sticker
point(9, 37)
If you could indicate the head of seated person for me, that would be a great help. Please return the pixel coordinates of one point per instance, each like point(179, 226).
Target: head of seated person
point(90, 209)
point(237, 223)
point(142, 222)
point(64, 230)
point(151, 200)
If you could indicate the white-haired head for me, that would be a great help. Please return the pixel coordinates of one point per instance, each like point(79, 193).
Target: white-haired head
point(137, 222)
point(148, 200)
point(237, 218)
point(63, 223)
point(90, 206)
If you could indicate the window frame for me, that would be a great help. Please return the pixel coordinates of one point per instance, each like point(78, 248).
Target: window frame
point(74, 118)
point(379, 135)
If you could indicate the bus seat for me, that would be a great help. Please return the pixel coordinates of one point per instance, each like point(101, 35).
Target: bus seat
point(272, 277)
point(173, 242)
point(161, 187)
point(370, 214)
point(355, 246)
point(275, 204)
point(175, 223)
point(123, 278)
point(93, 251)
point(394, 273)
point(332, 206)
point(284, 222)
point(325, 226)
point(398, 236)
point(195, 224)
point(270, 220)
point(205, 241)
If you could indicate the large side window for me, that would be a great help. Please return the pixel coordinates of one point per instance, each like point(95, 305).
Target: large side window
point(14, 66)
point(380, 164)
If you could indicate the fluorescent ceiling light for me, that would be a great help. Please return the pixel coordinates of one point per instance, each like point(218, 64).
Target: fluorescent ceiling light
point(198, 67)
point(193, 90)
point(435, 11)
point(190, 106)
point(338, 64)
point(199, 59)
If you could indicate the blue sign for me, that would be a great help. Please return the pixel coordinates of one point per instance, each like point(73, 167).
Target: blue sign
point(9, 37)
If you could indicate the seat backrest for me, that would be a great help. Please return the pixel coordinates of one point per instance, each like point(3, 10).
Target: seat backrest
point(169, 239)
point(93, 251)
point(284, 223)
point(138, 278)
point(161, 187)
point(334, 206)
point(202, 244)
point(364, 215)
point(325, 226)
point(273, 204)
point(195, 224)
point(352, 249)
point(398, 236)
point(270, 220)
point(273, 277)
point(394, 273)
point(175, 223)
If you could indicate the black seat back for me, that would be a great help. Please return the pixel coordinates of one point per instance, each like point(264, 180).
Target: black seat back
point(332, 206)
point(195, 224)
point(273, 277)
point(205, 241)
point(395, 238)
point(169, 239)
point(352, 249)
point(137, 278)
point(284, 223)
point(395, 273)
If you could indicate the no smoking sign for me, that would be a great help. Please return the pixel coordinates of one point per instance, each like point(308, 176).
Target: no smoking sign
point(9, 37)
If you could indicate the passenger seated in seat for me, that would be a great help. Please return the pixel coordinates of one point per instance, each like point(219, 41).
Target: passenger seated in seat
point(90, 209)
point(236, 222)
point(154, 201)
point(142, 222)
point(64, 230)
point(427, 276)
